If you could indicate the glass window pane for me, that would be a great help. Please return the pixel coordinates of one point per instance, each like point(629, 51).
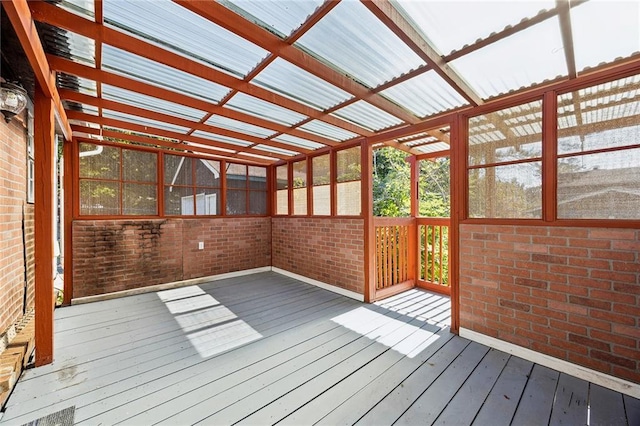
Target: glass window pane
point(177, 170)
point(99, 198)
point(139, 166)
point(599, 117)
point(207, 201)
point(349, 201)
point(236, 176)
point(282, 201)
point(236, 202)
point(300, 174)
point(300, 201)
point(257, 177)
point(348, 164)
point(322, 200)
point(178, 201)
point(99, 162)
point(257, 202)
point(321, 170)
point(208, 173)
point(512, 191)
point(139, 199)
point(507, 135)
point(282, 178)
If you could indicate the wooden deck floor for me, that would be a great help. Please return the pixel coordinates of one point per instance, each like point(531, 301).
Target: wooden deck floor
point(264, 349)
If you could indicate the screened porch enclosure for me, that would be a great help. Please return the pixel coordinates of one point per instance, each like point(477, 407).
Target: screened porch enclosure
point(209, 140)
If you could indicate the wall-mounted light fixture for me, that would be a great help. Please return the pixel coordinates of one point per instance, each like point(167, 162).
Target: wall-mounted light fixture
point(13, 99)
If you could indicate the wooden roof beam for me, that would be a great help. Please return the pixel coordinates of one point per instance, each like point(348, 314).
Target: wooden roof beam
point(400, 25)
point(56, 16)
point(235, 23)
point(20, 16)
point(402, 147)
point(564, 15)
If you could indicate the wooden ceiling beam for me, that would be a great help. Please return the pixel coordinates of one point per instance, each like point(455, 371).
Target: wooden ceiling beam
point(400, 25)
point(235, 23)
point(564, 15)
point(22, 21)
point(402, 147)
point(56, 16)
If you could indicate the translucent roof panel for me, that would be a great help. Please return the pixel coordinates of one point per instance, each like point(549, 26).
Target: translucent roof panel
point(77, 84)
point(77, 106)
point(357, 42)
point(263, 109)
point(521, 60)
point(295, 83)
point(451, 25)
point(298, 142)
point(128, 97)
point(327, 130)
point(275, 150)
point(67, 44)
point(221, 138)
point(186, 33)
point(140, 68)
point(433, 147)
point(367, 115)
point(79, 7)
point(280, 16)
point(142, 121)
point(425, 94)
point(616, 34)
point(239, 126)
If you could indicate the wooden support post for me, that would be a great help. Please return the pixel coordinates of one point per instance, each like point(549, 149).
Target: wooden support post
point(68, 156)
point(366, 160)
point(459, 185)
point(44, 142)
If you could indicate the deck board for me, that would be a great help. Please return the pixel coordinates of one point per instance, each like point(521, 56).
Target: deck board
point(265, 348)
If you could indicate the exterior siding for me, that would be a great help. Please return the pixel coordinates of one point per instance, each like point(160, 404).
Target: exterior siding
point(330, 250)
point(13, 169)
point(116, 255)
point(572, 293)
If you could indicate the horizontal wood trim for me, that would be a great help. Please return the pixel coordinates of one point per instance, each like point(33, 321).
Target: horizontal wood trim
point(329, 287)
point(393, 290)
point(439, 221)
point(393, 221)
point(436, 288)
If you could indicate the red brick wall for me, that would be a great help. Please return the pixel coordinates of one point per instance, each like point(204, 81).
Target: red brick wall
point(13, 166)
point(330, 250)
point(115, 255)
point(572, 293)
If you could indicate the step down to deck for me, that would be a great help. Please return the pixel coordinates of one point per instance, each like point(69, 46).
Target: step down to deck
point(15, 350)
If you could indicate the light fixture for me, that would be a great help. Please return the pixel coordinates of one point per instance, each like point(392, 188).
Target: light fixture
point(13, 99)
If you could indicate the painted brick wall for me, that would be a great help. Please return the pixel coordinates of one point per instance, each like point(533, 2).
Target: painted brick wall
point(112, 255)
point(572, 293)
point(13, 160)
point(330, 250)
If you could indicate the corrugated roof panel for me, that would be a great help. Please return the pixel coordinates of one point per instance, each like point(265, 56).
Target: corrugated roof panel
point(298, 142)
point(425, 94)
point(434, 147)
point(263, 109)
point(275, 150)
point(327, 130)
point(282, 17)
point(366, 115)
point(358, 43)
point(451, 25)
point(295, 83)
point(77, 106)
point(260, 157)
point(217, 148)
point(67, 44)
point(83, 8)
point(520, 60)
point(143, 121)
point(147, 102)
point(221, 138)
point(617, 33)
point(140, 68)
point(239, 126)
point(186, 33)
point(77, 84)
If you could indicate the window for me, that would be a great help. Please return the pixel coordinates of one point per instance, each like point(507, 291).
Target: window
point(282, 189)
point(30, 155)
point(505, 163)
point(117, 181)
point(246, 189)
point(599, 151)
point(191, 186)
point(348, 186)
point(300, 188)
point(321, 185)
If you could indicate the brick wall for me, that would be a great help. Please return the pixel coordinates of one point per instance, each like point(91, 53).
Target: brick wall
point(13, 154)
point(115, 255)
point(572, 293)
point(330, 250)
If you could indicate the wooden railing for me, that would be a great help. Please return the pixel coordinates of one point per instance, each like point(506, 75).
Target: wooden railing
point(433, 253)
point(395, 255)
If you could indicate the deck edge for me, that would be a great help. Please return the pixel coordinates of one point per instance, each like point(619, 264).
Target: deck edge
point(344, 292)
point(605, 380)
